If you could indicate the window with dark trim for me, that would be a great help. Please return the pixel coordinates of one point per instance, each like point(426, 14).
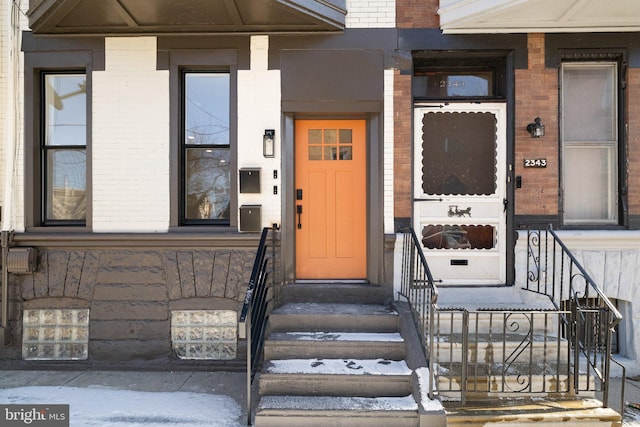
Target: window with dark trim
point(590, 146)
point(206, 158)
point(63, 144)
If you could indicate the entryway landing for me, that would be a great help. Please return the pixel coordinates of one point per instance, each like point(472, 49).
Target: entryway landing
point(331, 291)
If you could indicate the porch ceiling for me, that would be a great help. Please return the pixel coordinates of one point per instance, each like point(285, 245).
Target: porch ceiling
point(126, 17)
point(538, 16)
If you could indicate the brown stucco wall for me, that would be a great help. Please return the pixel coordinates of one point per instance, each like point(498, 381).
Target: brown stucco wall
point(131, 292)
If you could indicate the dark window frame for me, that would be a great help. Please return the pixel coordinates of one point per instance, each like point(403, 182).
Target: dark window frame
point(619, 56)
point(194, 60)
point(44, 150)
point(184, 147)
point(464, 62)
point(53, 55)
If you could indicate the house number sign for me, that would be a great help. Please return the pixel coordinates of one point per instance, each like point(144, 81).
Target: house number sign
point(535, 163)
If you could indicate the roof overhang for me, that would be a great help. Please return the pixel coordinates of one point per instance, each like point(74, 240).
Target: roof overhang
point(538, 16)
point(139, 17)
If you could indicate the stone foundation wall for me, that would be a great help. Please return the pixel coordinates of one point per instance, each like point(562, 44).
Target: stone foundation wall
point(130, 293)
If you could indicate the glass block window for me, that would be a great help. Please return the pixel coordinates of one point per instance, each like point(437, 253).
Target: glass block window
point(55, 334)
point(204, 334)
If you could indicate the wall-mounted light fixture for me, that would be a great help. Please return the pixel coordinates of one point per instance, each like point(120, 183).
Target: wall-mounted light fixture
point(268, 143)
point(536, 129)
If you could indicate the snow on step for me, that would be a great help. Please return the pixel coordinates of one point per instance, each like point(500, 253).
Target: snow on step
point(320, 403)
point(338, 336)
point(338, 367)
point(329, 309)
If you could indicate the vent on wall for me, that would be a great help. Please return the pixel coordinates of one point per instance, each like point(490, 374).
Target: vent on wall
point(22, 260)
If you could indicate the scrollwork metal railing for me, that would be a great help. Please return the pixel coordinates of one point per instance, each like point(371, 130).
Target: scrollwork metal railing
point(552, 270)
point(563, 350)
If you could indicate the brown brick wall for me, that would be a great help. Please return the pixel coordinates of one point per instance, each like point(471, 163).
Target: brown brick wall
point(402, 145)
point(417, 13)
point(633, 119)
point(537, 96)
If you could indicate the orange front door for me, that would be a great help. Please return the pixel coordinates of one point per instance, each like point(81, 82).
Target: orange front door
point(330, 197)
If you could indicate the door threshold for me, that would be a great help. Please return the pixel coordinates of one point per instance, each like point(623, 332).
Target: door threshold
point(331, 281)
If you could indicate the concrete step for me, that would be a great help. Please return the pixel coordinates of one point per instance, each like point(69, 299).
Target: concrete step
point(356, 345)
point(491, 348)
point(520, 381)
point(322, 317)
point(335, 377)
point(336, 292)
point(497, 322)
point(538, 412)
point(328, 411)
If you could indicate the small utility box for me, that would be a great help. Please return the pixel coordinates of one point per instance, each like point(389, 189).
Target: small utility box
point(250, 180)
point(22, 260)
point(250, 218)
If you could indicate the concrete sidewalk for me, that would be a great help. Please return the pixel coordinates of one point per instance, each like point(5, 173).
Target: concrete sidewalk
point(631, 394)
point(231, 384)
point(118, 385)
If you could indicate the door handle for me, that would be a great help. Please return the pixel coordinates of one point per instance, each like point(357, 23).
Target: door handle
point(299, 212)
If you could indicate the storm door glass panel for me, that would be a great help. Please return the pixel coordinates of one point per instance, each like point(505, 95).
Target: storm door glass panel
point(64, 147)
point(589, 139)
point(206, 144)
point(459, 153)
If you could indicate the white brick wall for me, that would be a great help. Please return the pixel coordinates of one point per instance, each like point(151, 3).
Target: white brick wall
point(371, 14)
point(388, 151)
point(130, 143)
point(11, 114)
point(5, 112)
point(259, 109)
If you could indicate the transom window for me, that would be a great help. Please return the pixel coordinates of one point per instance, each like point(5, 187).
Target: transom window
point(206, 153)
point(589, 142)
point(64, 147)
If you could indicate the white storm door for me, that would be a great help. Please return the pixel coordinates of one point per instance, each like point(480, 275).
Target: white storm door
point(460, 191)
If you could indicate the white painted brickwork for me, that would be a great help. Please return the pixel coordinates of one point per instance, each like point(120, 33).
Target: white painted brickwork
point(371, 14)
point(5, 109)
point(11, 113)
point(130, 144)
point(388, 152)
point(259, 109)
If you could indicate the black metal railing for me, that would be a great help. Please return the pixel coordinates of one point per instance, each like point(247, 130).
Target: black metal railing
point(552, 270)
point(418, 287)
point(561, 350)
point(257, 306)
point(484, 354)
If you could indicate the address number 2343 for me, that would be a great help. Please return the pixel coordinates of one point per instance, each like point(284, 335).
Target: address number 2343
point(535, 163)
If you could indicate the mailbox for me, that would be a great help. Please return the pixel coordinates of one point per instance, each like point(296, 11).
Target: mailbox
point(250, 218)
point(250, 180)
